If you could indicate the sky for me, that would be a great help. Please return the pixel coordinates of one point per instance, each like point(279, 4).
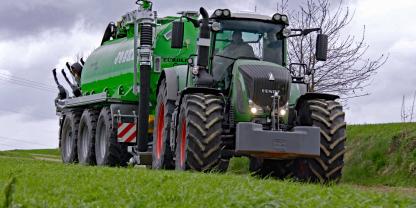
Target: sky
point(39, 35)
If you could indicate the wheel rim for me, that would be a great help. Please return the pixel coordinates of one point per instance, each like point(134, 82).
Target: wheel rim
point(101, 140)
point(84, 141)
point(183, 142)
point(160, 127)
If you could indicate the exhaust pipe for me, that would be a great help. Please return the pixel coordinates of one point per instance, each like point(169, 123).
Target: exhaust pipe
point(204, 40)
point(204, 78)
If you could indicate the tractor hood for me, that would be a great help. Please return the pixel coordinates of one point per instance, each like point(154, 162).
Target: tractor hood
point(259, 80)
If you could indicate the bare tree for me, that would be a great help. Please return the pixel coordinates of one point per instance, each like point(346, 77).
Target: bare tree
point(347, 71)
point(403, 113)
point(413, 107)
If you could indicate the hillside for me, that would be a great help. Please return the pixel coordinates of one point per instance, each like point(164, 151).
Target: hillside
point(381, 154)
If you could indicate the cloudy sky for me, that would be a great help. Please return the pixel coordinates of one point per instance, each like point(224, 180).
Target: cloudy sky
point(38, 35)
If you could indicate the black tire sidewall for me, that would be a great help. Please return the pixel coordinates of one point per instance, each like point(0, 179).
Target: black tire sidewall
point(87, 124)
point(69, 124)
point(165, 160)
point(181, 118)
point(103, 119)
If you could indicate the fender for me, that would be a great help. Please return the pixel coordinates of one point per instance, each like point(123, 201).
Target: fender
point(314, 95)
point(171, 78)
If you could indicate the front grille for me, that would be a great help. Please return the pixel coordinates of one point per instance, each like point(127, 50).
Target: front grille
point(260, 87)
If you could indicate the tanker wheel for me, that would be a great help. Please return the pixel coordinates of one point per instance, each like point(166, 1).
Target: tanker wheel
point(68, 137)
point(198, 140)
point(270, 168)
point(162, 156)
point(108, 151)
point(86, 137)
point(327, 115)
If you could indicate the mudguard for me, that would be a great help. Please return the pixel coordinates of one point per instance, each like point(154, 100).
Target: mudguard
point(314, 95)
point(171, 78)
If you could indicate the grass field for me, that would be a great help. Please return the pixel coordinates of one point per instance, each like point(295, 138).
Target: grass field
point(377, 155)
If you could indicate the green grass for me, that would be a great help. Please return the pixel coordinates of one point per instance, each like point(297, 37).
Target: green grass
point(381, 154)
point(48, 153)
point(49, 184)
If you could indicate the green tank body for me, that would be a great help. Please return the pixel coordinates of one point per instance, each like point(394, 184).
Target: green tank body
point(110, 68)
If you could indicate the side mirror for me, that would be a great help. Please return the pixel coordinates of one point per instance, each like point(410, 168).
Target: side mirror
point(321, 47)
point(177, 35)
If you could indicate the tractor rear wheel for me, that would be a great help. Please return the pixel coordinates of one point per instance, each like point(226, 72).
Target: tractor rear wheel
point(108, 151)
point(270, 168)
point(329, 117)
point(162, 156)
point(86, 137)
point(68, 137)
point(198, 141)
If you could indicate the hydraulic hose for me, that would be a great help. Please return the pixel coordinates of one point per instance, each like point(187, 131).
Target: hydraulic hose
point(146, 37)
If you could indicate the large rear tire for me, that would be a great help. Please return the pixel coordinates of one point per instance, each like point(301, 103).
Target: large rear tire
point(198, 141)
point(68, 137)
point(162, 156)
point(327, 115)
point(108, 151)
point(86, 137)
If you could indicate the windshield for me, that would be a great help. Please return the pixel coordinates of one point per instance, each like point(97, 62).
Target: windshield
point(245, 39)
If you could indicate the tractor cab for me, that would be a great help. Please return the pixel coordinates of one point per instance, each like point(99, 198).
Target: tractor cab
point(238, 36)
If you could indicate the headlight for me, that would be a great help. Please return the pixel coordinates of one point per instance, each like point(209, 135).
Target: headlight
point(284, 19)
point(254, 109)
point(226, 12)
point(286, 32)
point(216, 26)
point(218, 12)
point(277, 17)
point(282, 112)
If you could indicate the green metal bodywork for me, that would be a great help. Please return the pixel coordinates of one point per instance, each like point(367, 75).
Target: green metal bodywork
point(110, 67)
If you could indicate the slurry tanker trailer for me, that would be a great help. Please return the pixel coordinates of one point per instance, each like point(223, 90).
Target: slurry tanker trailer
point(189, 92)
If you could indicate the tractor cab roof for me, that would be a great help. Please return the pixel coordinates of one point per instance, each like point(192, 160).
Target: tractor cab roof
point(220, 14)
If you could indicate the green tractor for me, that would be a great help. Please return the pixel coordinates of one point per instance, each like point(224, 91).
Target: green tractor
point(189, 94)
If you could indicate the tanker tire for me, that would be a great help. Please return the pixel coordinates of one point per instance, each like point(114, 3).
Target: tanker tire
point(270, 168)
point(198, 142)
point(68, 137)
point(329, 116)
point(86, 137)
point(162, 156)
point(108, 151)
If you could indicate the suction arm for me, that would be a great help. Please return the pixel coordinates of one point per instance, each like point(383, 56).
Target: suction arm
point(75, 89)
point(62, 91)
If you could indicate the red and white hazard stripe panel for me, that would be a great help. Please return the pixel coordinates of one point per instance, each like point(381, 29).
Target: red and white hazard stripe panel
point(126, 132)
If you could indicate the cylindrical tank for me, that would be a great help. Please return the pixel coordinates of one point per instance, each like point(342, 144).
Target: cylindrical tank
point(110, 67)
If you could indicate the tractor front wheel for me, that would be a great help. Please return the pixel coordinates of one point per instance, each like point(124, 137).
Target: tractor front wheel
point(198, 141)
point(329, 117)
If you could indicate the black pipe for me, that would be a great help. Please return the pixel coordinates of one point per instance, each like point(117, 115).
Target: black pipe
point(203, 51)
point(146, 36)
